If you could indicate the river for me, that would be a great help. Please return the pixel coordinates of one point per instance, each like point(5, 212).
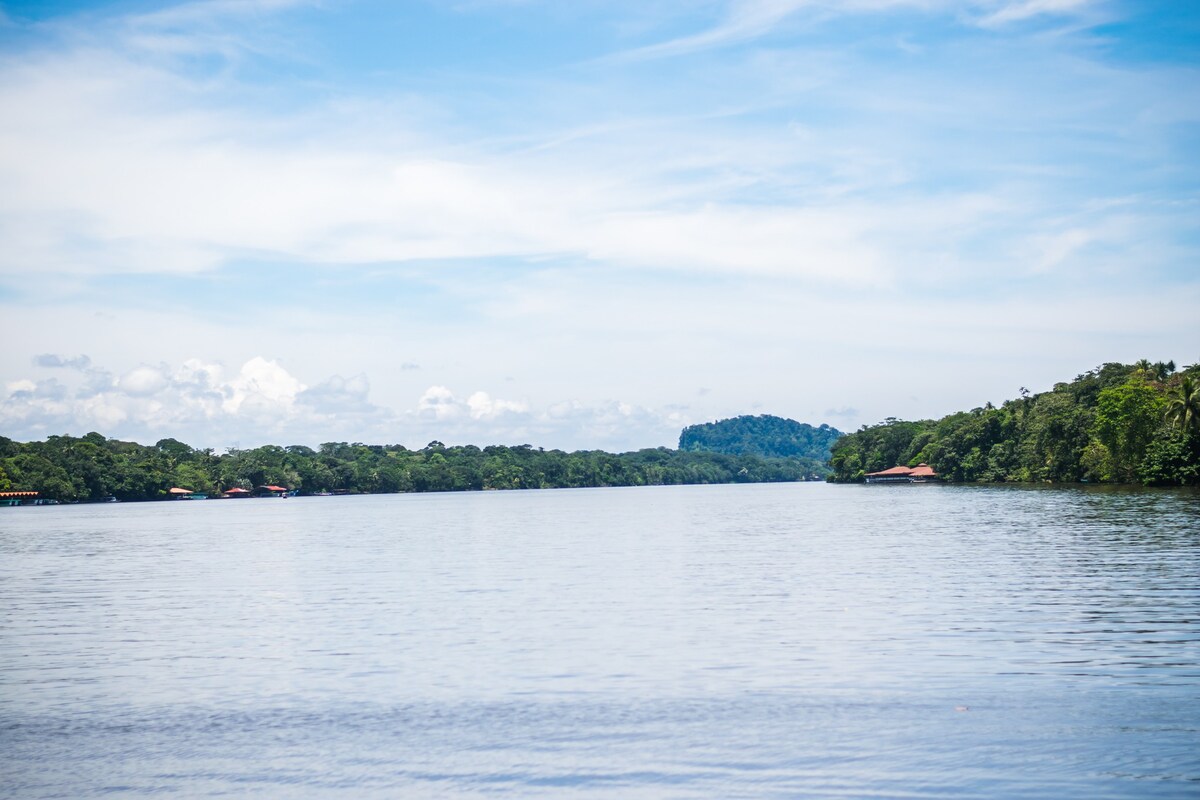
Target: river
point(750, 641)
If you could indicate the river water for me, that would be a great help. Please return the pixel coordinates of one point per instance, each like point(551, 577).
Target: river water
point(757, 641)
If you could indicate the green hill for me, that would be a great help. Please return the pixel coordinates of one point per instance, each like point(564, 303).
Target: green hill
point(765, 436)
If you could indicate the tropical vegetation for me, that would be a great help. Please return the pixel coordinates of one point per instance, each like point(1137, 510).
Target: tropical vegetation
point(764, 435)
point(91, 467)
point(1118, 423)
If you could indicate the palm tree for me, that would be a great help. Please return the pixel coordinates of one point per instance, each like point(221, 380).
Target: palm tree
point(1163, 370)
point(1183, 406)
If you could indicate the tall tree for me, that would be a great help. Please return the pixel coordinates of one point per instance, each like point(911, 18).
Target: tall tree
point(1127, 417)
point(1183, 406)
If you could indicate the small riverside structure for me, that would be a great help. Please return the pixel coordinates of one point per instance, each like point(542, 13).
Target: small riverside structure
point(18, 498)
point(918, 474)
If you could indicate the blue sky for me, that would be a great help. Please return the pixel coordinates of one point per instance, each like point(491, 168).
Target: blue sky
point(582, 224)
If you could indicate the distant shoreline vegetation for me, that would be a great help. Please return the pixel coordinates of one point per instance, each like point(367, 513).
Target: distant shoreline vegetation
point(93, 468)
point(1119, 423)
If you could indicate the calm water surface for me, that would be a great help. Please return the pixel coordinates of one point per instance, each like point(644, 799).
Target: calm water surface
point(796, 640)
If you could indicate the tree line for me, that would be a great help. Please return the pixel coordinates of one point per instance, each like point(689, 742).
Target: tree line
point(91, 467)
point(1118, 423)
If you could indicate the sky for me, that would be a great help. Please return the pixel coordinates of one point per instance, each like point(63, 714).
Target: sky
point(582, 225)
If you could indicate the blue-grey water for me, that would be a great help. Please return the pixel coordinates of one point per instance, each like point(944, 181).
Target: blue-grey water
point(768, 641)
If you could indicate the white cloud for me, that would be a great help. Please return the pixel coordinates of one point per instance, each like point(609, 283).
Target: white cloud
point(151, 401)
point(143, 381)
point(439, 402)
point(568, 424)
point(262, 386)
point(159, 185)
point(159, 189)
point(105, 412)
point(265, 404)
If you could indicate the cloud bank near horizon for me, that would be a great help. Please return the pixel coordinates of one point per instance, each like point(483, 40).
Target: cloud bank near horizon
point(263, 403)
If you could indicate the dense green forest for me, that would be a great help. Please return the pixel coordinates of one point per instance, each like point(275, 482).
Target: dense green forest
point(1118, 423)
point(766, 436)
point(91, 467)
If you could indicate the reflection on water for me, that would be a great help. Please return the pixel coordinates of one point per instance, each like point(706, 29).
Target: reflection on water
point(743, 641)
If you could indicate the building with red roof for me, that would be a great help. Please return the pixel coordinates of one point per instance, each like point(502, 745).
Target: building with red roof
point(917, 474)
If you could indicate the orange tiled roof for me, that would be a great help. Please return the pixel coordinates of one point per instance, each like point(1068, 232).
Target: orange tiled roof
point(892, 471)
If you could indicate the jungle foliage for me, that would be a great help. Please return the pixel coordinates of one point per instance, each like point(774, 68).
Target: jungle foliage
point(91, 467)
point(764, 435)
point(1118, 423)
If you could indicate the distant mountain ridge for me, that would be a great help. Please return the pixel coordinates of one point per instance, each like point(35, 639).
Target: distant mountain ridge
point(765, 435)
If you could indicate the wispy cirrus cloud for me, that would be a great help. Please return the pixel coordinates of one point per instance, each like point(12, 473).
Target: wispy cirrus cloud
point(1020, 10)
point(746, 20)
point(160, 186)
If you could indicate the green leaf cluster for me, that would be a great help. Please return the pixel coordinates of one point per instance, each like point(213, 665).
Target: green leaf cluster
point(1119, 423)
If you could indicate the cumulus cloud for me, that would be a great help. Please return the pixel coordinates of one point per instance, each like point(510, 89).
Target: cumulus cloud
point(143, 382)
point(262, 386)
point(439, 403)
point(482, 406)
point(258, 402)
point(263, 402)
point(568, 424)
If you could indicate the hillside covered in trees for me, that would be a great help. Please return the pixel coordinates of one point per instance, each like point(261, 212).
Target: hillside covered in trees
point(91, 467)
point(766, 436)
point(1118, 423)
